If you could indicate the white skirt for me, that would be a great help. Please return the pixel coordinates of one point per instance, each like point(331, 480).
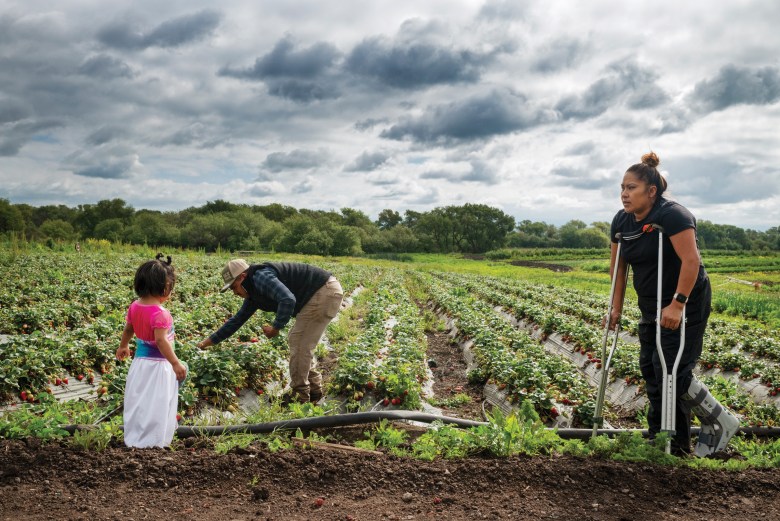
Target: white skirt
point(151, 399)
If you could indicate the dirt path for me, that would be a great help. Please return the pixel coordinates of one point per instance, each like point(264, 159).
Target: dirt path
point(57, 482)
point(450, 379)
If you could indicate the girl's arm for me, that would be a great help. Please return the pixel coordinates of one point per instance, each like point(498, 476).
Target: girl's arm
point(124, 350)
point(620, 285)
point(165, 347)
point(684, 244)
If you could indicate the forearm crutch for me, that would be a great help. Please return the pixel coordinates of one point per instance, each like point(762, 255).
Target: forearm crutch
point(669, 381)
point(598, 416)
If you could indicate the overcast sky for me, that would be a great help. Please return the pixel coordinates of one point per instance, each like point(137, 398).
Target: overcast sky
point(534, 107)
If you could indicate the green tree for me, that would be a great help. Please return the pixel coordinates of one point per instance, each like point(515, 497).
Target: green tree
point(89, 215)
point(481, 227)
point(109, 229)
point(57, 229)
point(388, 219)
point(11, 219)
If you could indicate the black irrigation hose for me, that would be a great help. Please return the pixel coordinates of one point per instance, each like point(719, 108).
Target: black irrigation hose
point(341, 420)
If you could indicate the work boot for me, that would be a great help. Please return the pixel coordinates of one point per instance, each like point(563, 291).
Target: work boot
point(292, 397)
point(718, 424)
point(315, 396)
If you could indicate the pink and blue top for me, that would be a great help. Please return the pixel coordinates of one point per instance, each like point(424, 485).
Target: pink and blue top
point(145, 318)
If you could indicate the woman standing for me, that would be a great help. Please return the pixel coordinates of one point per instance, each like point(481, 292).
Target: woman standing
point(685, 287)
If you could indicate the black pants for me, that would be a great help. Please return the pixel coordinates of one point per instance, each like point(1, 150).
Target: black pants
point(650, 366)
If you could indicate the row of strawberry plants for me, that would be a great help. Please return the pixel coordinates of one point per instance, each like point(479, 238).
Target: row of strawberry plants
point(723, 336)
point(723, 344)
point(509, 357)
point(387, 358)
point(544, 314)
point(588, 338)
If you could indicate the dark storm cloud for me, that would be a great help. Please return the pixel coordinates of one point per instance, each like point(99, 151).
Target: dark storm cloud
point(294, 160)
point(301, 75)
point(367, 162)
point(301, 91)
point(11, 110)
point(735, 85)
point(191, 134)
point(172, 33)
point(720, 180)
point(479, 117)
point(414, 64)
point(104, 135)
point(284, 61)
point(624, 79)
point(303, 187)
point(13, 136)
point(558, 55)
point(368, 124)
point(105, 67)
point(106, 162)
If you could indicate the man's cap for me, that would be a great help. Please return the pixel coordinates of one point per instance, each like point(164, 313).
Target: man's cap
point(233, 269)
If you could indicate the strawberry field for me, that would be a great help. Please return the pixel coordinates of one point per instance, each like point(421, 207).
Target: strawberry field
point(439, 335)
point(532, 341)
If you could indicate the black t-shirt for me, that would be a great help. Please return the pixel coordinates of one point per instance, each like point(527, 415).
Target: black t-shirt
point(641, 254)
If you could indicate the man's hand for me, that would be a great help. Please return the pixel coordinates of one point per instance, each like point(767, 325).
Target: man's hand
point(204, 344)
point(270, 331)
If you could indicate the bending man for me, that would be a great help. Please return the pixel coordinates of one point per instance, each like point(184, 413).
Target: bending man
point(289, 289)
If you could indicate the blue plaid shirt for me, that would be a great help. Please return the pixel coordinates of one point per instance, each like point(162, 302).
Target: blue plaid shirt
point(264, 282)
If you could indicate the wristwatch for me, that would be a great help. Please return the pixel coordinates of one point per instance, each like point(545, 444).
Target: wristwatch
point(679, 297)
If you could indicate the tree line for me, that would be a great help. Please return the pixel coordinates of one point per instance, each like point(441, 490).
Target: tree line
point(469, 228)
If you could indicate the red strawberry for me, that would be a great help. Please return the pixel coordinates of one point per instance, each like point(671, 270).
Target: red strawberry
point(386, 402)
point(178, 417)
point(23, 396)
point(254, 340)
point(319, 502)
point(436, 500)
point(259, 391)
point(65, 381)
point(58, 381)
point(370, 385)
point(80, 377)
point(395, 401)
point(554, 412)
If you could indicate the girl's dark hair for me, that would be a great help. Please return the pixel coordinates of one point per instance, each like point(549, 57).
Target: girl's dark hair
point(155, 277)
point(647, 172)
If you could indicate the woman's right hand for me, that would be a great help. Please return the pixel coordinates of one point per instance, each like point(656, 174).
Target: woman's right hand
point(614, 319)
point(122, 353)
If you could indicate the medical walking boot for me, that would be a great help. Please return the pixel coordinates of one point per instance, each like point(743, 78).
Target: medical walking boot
point(718, 424)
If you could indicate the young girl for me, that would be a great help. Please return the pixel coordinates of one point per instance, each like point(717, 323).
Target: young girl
point(152, 388)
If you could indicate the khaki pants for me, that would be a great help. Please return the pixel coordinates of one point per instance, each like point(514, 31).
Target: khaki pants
point(303, 338)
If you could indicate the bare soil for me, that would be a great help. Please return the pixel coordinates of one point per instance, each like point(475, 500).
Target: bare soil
point(450, 379)
point(56, 481)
